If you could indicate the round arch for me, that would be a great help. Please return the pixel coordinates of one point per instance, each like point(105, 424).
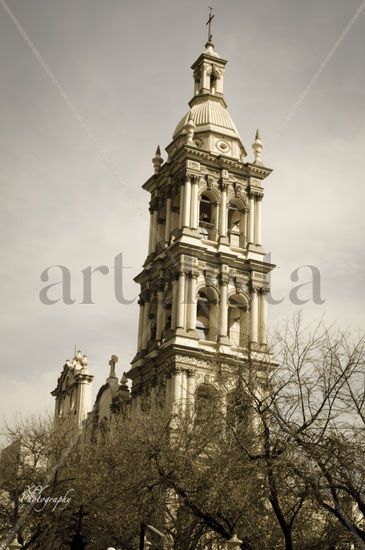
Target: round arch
point(213, 193)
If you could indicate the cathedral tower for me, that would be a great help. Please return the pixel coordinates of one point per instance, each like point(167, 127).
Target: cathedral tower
point(204, 281)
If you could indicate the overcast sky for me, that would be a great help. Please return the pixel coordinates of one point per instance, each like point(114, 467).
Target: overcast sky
point(88, 89)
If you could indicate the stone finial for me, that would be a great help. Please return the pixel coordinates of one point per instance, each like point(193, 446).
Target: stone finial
point(157, 160)
point(124, 381)
point(190, 129)
point(234, 543)
point(257, 148)
point(123, 391)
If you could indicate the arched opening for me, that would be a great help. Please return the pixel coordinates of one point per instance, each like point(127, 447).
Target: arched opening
point(152, 316)
point(239, 411)
point(167, 304)
point(236, 223)
point(161, 222)
point(207, 217)
point(238, 320)
point(202, 328)
point(213, 83)
point(206, 403)
point(175, 211)
point(206, 314)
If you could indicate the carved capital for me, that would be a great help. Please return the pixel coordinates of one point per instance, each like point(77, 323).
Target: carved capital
point(146, 295)
point(153, 204)
point(223, 186)
point(210, 181)
point(264, 290)
point(209, 277)
point(193, 274)
point(256, 194)
point(223, 278)
point(237, 188)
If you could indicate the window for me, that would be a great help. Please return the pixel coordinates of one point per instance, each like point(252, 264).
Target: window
point(206, 217)
point(237, 320)
point(213, 83)
point(202, 328)
point(203, 316)
point(153, 328)
point(236, 223)
point(206, 403)
point(234, 227)
point(206, 314)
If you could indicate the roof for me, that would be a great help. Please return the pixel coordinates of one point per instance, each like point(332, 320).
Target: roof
point(209, 114)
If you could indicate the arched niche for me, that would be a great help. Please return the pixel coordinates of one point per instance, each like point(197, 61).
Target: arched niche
point(238, 320)
point(208, 214)
point(207, 313)
point(206, 403)
point(237, 222)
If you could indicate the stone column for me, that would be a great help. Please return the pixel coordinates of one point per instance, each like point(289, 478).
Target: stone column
point(263, 316)
point(168, 218)
point(254, 316)
point(160, 299)
point(151, 230)
point(204, 77)
point(183, 389)
point(168, 390)
point(223, 309)
point(174, 300)
point(191, 324)
point(194, 222)
point(251, 220)
point(154, 238)
point(180, 317)
point(181, 208)
point(190, 389)
point(243, 224)
point(258, 220)
point(187, 201)
point(83, 396)
point(223, 211)
point(177, 386)
point(146, 323)
point(140, 324)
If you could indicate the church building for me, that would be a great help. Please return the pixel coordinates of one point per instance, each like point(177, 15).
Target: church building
point(203, 286)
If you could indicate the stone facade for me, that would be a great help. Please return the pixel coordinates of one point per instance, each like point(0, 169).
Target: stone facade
point(202, 305)
point(73, 392)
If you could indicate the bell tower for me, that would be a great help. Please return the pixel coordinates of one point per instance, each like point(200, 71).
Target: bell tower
point(204, 281)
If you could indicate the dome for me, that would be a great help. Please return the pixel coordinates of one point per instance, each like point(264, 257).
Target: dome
point(209, 114)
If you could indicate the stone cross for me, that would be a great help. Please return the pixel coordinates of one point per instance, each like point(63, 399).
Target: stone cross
point(209, 23)
point(112, 362)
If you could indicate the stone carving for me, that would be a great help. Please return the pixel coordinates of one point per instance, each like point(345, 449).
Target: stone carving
point(193, 165)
